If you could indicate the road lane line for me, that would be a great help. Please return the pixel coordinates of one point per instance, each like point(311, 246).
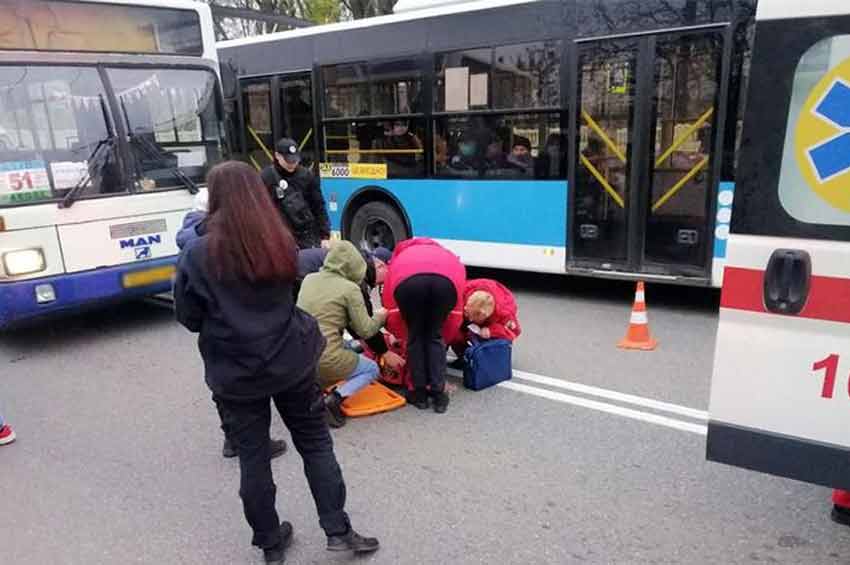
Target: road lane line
point(613, 395)
point(681, 425)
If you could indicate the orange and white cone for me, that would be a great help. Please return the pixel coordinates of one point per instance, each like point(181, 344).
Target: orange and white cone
point(637, 336)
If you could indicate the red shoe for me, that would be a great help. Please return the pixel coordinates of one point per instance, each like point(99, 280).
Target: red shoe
point(7, 435)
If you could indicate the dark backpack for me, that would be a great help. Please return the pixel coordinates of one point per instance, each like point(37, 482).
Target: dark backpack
point(294, 206)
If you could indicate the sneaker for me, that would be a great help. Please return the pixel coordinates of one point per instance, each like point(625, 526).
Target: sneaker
point(352, 541)
point(277, 555)
point(276, 446)
point(441, 401)
point(333, 410)
point(418, 398)
point(840, 515)
point(7, 435)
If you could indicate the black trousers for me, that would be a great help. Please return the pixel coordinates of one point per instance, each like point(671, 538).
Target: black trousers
point(425, 302)
point(246, 424)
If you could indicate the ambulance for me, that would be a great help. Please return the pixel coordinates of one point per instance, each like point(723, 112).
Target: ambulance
point(780, 392)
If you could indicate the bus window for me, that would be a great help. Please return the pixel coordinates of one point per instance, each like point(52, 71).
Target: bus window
point(296, 104)
point(396, 144)
point(816, 153)
point(346, 90)
point(687, 73)
point(462, 80)
point(173, 123)
point(511, 147)
point(527, 75)
point(257, 119)
point(396, 87)
point(53, 132)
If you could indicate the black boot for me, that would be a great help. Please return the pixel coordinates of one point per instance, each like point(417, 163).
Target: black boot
point(840, 515)
point(352, 541)
point(277, 447)
point(333, 410)
point(228, 450)
point(441, 401)
point(418, 397)
point(277, 555)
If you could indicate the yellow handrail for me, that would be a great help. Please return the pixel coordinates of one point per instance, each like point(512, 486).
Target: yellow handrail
point(608, 188)
point(682, 138)
point(601, 133)
point(261, 144)
point(306, 139)
point(678, 186)
point(255, 163)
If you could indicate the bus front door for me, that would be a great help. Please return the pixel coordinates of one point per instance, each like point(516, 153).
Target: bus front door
point(642, 178)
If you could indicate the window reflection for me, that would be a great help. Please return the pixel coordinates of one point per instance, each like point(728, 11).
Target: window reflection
point(522, 146)
point(172, 118)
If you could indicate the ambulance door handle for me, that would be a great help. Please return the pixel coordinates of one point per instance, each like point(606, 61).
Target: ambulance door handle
point(787, 280)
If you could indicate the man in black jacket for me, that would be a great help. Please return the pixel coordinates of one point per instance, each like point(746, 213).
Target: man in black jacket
point(297, 192)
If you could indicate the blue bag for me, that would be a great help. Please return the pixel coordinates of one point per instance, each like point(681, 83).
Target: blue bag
point(488, 363)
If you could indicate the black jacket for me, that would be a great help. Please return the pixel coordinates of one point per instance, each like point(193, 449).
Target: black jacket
point(254, 341)
point(311, 260)
point(301, 203)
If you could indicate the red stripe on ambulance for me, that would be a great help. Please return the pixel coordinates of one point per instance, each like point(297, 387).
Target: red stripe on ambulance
point(829, 297)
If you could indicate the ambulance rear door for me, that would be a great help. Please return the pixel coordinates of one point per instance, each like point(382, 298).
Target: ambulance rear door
point(780, 392)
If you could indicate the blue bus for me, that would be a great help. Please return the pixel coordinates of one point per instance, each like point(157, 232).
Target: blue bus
point(588, 137)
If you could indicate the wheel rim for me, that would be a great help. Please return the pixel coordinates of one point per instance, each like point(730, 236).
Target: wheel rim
point(378, 233)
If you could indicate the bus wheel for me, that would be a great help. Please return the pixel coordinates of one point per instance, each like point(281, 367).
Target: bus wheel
point(377, 224)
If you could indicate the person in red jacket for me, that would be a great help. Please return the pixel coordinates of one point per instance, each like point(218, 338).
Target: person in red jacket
point(492, 309)
point(423, 293)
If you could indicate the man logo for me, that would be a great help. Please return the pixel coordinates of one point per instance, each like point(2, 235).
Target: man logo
point(145, 241)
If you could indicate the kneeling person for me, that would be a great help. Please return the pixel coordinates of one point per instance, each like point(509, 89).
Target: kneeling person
point(334, 298)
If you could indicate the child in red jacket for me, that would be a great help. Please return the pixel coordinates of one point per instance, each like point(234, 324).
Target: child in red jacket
point(489, 311)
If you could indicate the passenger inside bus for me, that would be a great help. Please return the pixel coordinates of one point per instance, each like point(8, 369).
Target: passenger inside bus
point(400, 149)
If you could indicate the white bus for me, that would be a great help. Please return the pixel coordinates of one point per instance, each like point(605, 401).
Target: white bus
point(780, 400)
point(110, 117)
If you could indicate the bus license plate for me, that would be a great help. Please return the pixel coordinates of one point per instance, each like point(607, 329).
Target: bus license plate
point(148, 276)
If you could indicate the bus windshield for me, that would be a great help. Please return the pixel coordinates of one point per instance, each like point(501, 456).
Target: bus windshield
point(58, 133)
point(172, 121)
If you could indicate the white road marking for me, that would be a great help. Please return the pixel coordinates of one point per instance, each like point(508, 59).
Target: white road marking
point(699, 429)
point(614, 395)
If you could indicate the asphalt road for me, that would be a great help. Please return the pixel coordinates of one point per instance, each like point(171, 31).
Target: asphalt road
point(118, 458)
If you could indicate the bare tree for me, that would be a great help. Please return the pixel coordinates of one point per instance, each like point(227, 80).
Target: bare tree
point(368, 8)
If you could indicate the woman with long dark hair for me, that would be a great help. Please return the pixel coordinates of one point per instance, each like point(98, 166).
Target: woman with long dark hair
point(234, 287)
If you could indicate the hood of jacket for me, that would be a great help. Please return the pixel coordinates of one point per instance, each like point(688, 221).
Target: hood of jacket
point(346, 261)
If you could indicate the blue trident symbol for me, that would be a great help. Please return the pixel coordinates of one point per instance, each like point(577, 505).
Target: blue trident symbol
point(832, 157)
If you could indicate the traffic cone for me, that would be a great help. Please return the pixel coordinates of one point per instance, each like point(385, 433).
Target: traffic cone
point(637, 336)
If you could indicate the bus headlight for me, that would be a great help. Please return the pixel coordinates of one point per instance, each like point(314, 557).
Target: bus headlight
point(24, 261)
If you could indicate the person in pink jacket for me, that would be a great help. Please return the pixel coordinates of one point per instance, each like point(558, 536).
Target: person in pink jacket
point(423, 293)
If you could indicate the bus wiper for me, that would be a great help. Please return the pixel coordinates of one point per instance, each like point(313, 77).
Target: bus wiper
point(71, 196)
point(151, 151)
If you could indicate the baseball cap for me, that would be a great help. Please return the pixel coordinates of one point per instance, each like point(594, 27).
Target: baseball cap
point(289, 149)
point(382, 254)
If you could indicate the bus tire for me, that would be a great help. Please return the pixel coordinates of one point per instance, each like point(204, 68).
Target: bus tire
point(378, 224)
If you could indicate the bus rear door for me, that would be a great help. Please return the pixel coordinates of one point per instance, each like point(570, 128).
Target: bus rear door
point(780, 394)
point(644, 177)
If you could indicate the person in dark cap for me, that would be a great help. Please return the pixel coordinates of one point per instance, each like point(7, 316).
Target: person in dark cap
point(520, 159)
point(298, 195)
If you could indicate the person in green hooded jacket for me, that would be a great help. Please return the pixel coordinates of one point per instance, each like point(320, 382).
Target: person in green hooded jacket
point(333, 297)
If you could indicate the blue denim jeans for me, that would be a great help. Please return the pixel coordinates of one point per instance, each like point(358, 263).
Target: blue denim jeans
point(2, 421)
point(364, 373)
